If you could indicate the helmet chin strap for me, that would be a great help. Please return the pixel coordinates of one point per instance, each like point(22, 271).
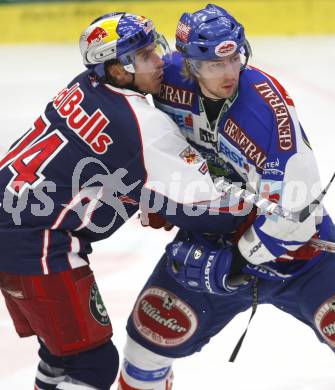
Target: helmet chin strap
point(131, 85)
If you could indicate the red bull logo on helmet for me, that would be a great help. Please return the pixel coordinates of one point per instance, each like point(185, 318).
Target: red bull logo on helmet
point(225, 48)
point(141, 18)
point(96, 35)
point(105, 32)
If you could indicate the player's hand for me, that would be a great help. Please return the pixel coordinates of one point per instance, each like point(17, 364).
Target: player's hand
point(154, 220)
point(199, 265)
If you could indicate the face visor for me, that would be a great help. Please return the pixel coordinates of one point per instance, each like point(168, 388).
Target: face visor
point(148, 58)
point(218, 66)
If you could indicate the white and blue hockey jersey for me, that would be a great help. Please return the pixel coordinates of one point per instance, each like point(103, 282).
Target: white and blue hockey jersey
point(258, 141)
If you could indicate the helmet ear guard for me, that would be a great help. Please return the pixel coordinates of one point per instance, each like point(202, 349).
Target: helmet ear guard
point(247, 52)
point(99, 55)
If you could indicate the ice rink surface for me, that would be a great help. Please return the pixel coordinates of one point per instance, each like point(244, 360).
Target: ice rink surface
point(279, 353)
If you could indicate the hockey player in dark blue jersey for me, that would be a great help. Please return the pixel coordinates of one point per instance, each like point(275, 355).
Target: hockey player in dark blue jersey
point(75, 177)
point(244, 123)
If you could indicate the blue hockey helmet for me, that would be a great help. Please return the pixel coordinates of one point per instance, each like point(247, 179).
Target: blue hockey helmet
point(118, 36)
point(210, 34)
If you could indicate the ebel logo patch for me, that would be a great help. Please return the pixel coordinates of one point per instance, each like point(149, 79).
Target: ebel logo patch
point(164, 319)
point(284, 126)
point(325, 320)
point(97, 307)
point(190, 155)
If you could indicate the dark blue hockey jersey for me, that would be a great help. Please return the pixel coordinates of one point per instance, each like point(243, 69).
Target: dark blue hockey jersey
point(81, 171)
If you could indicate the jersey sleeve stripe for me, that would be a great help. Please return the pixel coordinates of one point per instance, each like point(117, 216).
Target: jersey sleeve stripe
point(45, 248)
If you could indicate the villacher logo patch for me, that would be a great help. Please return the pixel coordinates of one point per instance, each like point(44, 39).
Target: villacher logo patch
point(164, 319)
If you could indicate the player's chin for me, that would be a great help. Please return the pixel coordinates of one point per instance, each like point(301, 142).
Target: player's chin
point(226, 92)
point(221, 92)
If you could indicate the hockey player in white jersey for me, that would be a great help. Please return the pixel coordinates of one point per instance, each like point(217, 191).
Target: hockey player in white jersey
point(245, 124)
